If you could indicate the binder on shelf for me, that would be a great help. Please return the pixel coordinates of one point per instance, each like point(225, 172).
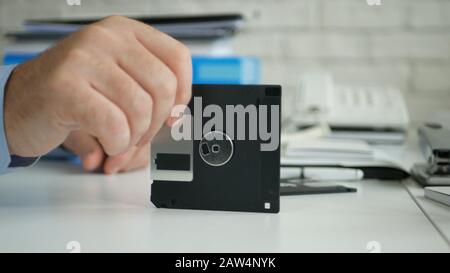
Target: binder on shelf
point(180, 27)
point(206, 69)
point(207, 36)
point(225, 70)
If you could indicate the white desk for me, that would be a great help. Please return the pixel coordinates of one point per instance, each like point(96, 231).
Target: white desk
point(438, 213)
point(45, 207)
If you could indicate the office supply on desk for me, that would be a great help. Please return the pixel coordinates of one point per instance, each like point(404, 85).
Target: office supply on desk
point(295, 180)
point(204, 34)
point(214, 168)
point(324, 148)
point(434, 140)
point(438, 194)
point(320, 159)
point(299, 187)
point(214, 66)
point(321, 152)
point(225, 70)
point(205, 69)
point(180, 27)
point(369, 170)
point(207, 47)
point(376, 114)
point(209, 39)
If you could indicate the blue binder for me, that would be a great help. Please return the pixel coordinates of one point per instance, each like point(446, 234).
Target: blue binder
point(206, 69)
point(226, 70)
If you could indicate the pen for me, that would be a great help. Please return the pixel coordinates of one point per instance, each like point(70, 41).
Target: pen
point(367, 171)
point(321, 173)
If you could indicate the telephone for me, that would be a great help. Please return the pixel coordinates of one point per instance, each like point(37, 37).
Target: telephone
point(347, 107)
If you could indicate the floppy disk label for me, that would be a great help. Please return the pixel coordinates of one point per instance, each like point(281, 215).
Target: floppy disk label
point(171, 160)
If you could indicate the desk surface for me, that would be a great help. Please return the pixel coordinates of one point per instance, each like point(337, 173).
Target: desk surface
point(439, 214)
point(45, 207)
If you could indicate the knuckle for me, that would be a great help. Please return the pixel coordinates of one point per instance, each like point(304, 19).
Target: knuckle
point(143, 107)
point(152, 28)
point(124, 88)
point(98, 31)
point(130, 53)
point(142, 111)
point(113, 19)
point(60, 80)
point(76, 55)
point(185, 95)
point(168, 86)
point(117, 128)
point(182, 54)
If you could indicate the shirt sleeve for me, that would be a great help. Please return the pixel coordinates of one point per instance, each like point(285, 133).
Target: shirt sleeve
point(8, 161)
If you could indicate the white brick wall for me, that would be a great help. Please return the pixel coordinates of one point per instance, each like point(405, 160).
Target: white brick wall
point(432, 78)
point(422, 45)
point(405, 43)
point(433, 14)
point(356, 14)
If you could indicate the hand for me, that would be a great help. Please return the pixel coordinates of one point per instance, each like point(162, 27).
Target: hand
point(117, 80)
point(93, 157)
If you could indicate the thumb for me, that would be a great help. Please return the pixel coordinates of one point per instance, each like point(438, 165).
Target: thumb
point(87, 148)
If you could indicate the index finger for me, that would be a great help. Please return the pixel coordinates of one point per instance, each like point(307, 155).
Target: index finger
point(170, 51)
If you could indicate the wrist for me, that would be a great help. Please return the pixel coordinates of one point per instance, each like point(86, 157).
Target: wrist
point(11, 113)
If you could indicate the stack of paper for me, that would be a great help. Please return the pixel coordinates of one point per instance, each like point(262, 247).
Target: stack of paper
point(322, 152)
point(330, 149)
point(209, 39)
point(180, 27)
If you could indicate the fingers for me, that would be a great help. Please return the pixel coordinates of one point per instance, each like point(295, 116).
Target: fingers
point(117, 80)
point(140, 160)
point(121, 88)
point(101, 118)
point(136, 157)
point(133, 76)
point(172, 53)
point(93, 158)
point(175, 55)
point(114, 164)
point(87, 148)
point(157, 79)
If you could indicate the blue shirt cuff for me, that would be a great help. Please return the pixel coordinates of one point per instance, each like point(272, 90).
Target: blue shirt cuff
point(6, 160)
point(18, 161)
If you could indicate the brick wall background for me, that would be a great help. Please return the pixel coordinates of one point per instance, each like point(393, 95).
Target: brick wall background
point(405, 43)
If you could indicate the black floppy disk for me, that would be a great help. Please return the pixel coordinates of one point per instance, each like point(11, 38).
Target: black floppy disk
point(223, 153)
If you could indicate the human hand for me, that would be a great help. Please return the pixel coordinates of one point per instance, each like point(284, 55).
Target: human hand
point(93, 157)
point(117, 80)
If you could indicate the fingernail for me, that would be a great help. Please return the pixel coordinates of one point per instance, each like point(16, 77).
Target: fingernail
point(89, 161)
